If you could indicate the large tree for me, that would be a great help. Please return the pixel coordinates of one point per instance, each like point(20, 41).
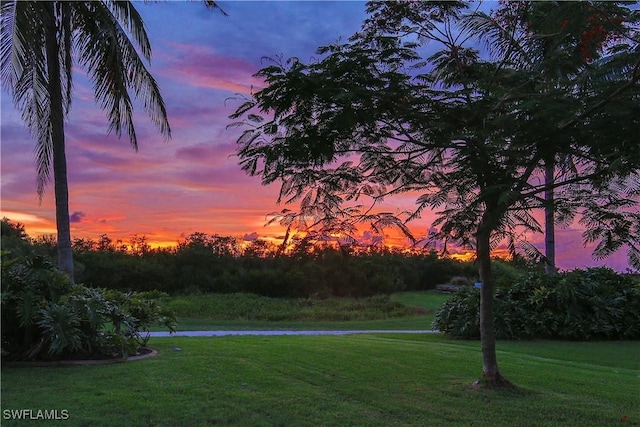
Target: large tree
point(409, 104)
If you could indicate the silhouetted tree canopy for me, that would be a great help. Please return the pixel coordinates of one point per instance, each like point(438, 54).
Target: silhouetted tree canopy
point(411, 104)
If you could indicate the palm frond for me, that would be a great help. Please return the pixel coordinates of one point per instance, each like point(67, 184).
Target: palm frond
point(128, 17)
point(24, 73)
point(11, 48)
point(214, 5)
point(498, 40)
point(115, 66)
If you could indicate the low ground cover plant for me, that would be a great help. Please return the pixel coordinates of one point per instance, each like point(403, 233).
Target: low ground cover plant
point(591, 304)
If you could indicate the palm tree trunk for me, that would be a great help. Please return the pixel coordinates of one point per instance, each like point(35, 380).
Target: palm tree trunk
point(549, 218)
point(61, 189)
point(491, 376)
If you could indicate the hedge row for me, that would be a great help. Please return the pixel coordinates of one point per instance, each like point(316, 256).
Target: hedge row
point(220, 264)
point(591, 304)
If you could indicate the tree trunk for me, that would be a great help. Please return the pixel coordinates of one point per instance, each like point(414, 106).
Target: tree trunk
point(491, 376)
point(56, 121)
point(549, 218)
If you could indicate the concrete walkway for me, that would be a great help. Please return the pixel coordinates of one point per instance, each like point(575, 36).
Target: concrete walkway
point(275, 333)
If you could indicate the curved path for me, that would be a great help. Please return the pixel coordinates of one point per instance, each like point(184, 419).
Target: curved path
point(274, 333)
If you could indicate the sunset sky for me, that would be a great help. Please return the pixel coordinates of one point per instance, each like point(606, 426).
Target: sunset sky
point(170, 189)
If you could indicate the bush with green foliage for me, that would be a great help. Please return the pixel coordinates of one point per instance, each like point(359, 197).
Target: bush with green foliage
point(46, 317)
point(506, 274)
point(591, 304)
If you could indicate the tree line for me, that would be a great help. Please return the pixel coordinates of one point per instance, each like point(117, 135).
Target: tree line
point(205, 263)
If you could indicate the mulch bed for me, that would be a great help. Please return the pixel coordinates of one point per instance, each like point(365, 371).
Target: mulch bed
point(145, 353)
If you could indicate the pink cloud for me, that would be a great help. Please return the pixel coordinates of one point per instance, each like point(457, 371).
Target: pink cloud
point(201, 67)
point(208, 153)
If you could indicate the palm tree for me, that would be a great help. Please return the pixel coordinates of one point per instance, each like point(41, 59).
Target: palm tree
point(40, 43)
point(537, 36)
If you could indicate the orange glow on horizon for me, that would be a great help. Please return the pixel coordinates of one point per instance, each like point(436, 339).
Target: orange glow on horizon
point(470, 256)
point(464, 257)
point(36, 226)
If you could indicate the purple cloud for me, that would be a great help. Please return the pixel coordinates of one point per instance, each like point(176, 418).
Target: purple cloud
point(76, 217)
point(251, 237)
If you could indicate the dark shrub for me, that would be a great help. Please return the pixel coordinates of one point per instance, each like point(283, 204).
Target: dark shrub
point(44, 316)
point(460, 315)
point(596, 303)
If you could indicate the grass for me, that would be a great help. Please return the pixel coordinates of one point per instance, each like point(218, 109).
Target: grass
point(418, 322)
point(428, 301)
point(363, 380)
point(372, 380)
point(406, 311)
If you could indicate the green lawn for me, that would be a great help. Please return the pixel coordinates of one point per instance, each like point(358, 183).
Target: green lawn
point(404, 323)
point(245, 312)
point(361, 380)
point(429, 301)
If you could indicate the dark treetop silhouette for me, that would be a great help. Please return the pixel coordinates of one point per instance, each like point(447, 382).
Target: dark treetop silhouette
point(408, 104)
